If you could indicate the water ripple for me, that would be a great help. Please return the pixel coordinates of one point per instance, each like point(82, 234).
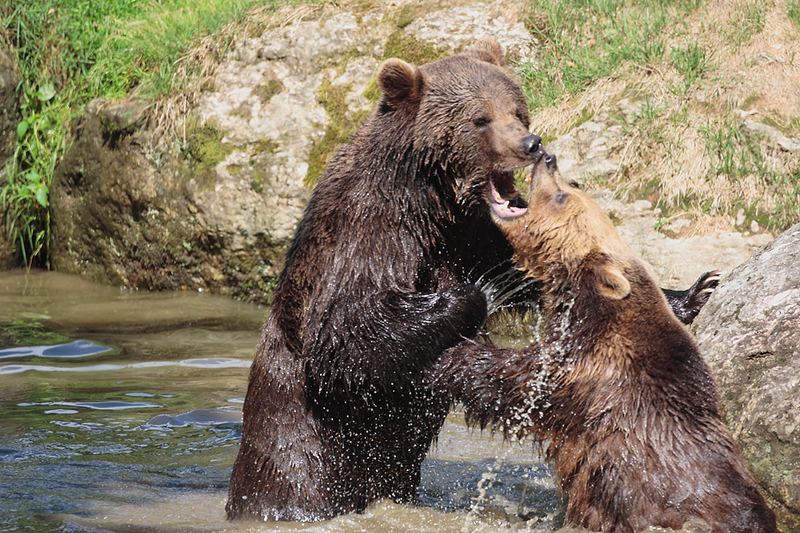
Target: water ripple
point(100, 406)
point(198, 417)
point(210, 362)
point(78, 348)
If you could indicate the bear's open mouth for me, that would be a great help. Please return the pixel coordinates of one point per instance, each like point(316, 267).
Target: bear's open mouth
point(504, 199)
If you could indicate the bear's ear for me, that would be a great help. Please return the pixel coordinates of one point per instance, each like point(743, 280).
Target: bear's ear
point(489, 50)
point(611, 282)
point(400, 81)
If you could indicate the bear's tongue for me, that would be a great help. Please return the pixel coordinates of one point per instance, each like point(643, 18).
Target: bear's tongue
point(504, 200)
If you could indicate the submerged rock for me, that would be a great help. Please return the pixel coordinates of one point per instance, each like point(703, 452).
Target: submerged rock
point(749, 333)
point(9, 118)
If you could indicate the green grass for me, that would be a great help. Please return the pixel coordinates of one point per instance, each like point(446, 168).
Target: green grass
point(749, 21)
point(735, 154)
point(690, 62)
point(585, 40)
point(793, 10)
point(72, 51)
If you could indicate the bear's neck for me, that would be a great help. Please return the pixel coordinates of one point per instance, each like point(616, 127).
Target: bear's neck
point(585, 323)
point(572, 318)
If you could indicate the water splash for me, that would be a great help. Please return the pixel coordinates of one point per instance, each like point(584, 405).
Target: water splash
point(478, 506)
point(554, 353)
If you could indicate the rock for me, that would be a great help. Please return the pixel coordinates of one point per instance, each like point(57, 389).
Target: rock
point(217, 210)
point(456, 28)
point(749, 332)
point(740, 217)
point(123, 216)
point(9, 118)
point(676, 227)
point(589, 150)
point(774, 135)
point(119, 117)
point(677, 261)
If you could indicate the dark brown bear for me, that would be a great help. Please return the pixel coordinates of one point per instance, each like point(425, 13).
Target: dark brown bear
point(376, 286)
point(617, 384)
point(373, 291)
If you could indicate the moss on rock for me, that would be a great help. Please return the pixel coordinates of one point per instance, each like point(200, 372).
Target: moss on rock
point(204, 148)
point(258, 180)
point(342, 124)
point(266, 91)
point(341, 127)
point(409, 48)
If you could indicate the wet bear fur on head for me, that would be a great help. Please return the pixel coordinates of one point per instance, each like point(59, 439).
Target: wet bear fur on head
point(617, 384)
point(338, 413)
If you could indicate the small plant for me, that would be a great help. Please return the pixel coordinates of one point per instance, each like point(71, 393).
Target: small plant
point(648, 113)
point(25, 197)
point(690, 62)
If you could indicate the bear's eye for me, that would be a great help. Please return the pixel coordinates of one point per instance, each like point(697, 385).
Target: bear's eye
point(575, 184)
point(522, 118)
point(481, 121)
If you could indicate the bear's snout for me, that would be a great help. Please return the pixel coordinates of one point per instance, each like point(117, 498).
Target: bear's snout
point(530, 144)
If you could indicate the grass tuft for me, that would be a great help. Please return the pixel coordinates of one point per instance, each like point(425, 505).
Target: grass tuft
point(793, 11)
point(690, 62)
point(748, 21)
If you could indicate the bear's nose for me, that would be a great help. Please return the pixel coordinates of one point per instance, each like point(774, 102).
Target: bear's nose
point(531, 143)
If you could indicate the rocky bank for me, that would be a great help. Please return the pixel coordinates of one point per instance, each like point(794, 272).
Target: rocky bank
point(213, 206)
point(215, 209)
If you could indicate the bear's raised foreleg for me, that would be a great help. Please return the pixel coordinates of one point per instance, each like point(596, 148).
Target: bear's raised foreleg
point(495, 386)
point(386, 341)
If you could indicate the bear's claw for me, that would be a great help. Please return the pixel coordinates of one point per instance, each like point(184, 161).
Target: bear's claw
point(687, 304)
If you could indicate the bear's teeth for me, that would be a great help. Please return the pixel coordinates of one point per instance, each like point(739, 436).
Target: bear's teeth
point(496, 196)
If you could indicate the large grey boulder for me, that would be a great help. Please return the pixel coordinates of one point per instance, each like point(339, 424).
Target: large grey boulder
point(749, 332)
point(9, 118)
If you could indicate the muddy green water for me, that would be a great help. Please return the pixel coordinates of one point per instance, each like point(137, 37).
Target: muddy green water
point(121, 411)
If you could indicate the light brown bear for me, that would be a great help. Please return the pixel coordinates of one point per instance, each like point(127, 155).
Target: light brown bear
point(617, 384)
